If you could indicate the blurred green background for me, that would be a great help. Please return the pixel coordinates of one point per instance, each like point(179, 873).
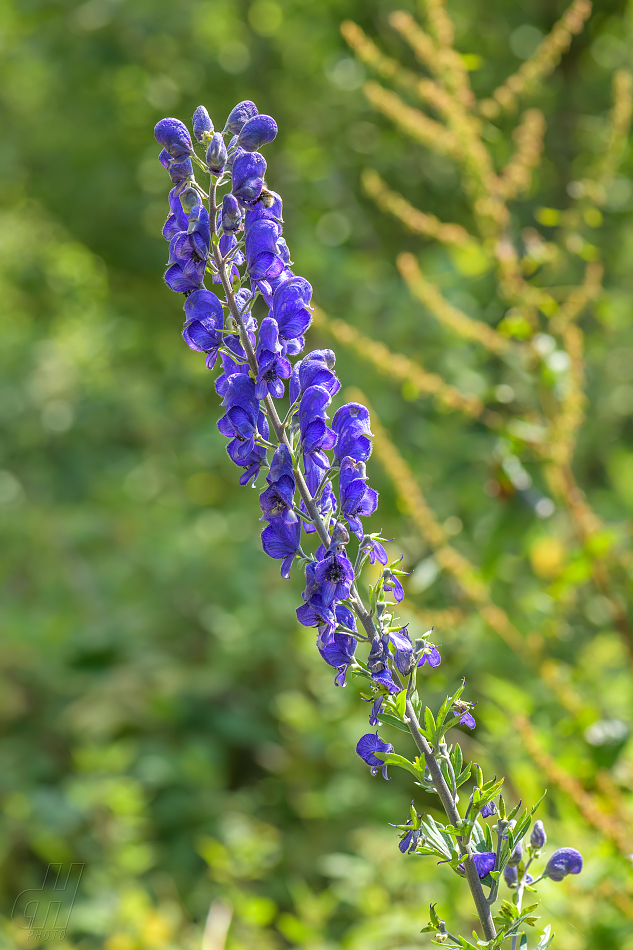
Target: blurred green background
point(165, 722)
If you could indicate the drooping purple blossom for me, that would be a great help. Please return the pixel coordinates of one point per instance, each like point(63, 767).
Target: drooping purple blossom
point(488, 810)
point(431, 656)
point(562, 862)
point(366, 748)
point(374, 712)
point(281, 540)
point(204, 324)
point(391, 583)
point(374, 549)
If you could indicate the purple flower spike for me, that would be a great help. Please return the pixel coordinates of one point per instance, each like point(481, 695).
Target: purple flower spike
point(367, 746)
point(239, 116)
point(433, 659)
point(174, 136)
point(484, 863)
point(257, 131)
point(488, 810)
point(564, 861)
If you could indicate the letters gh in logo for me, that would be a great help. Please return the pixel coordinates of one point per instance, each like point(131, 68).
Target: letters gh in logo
point(45, 911)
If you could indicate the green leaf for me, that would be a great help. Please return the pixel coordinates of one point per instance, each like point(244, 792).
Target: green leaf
point(392, 758)
point(429, 721)
point(392, 721)
point(465, 775)
point(457, 759)
point(401, 702)
point(546, 938)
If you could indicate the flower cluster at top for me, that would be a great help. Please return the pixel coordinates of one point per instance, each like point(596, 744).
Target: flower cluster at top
point(231, 233)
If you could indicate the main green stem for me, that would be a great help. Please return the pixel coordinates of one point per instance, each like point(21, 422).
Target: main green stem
point(442, 789)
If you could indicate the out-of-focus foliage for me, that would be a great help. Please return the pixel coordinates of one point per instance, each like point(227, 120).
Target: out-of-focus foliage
point(165, 723)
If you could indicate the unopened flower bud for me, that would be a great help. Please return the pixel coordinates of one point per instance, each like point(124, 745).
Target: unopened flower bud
point(258, 131)
point(517, 855)
point(340, 535)
point(563, 862)
point(216, 154)
point(202, 125)
point(538, 837)
point(174, 136)
point(231, 213)
point(189, 199)
point(239, 116)
point(511, 875)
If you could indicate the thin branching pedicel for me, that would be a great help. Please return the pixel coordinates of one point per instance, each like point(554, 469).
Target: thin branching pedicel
point(230, 232)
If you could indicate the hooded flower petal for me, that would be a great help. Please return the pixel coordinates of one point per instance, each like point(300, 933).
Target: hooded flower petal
point(281, 540)
point(249, 169)
point(366, 748)
point(239, 116)
point(174, 136)
point(257, 131)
